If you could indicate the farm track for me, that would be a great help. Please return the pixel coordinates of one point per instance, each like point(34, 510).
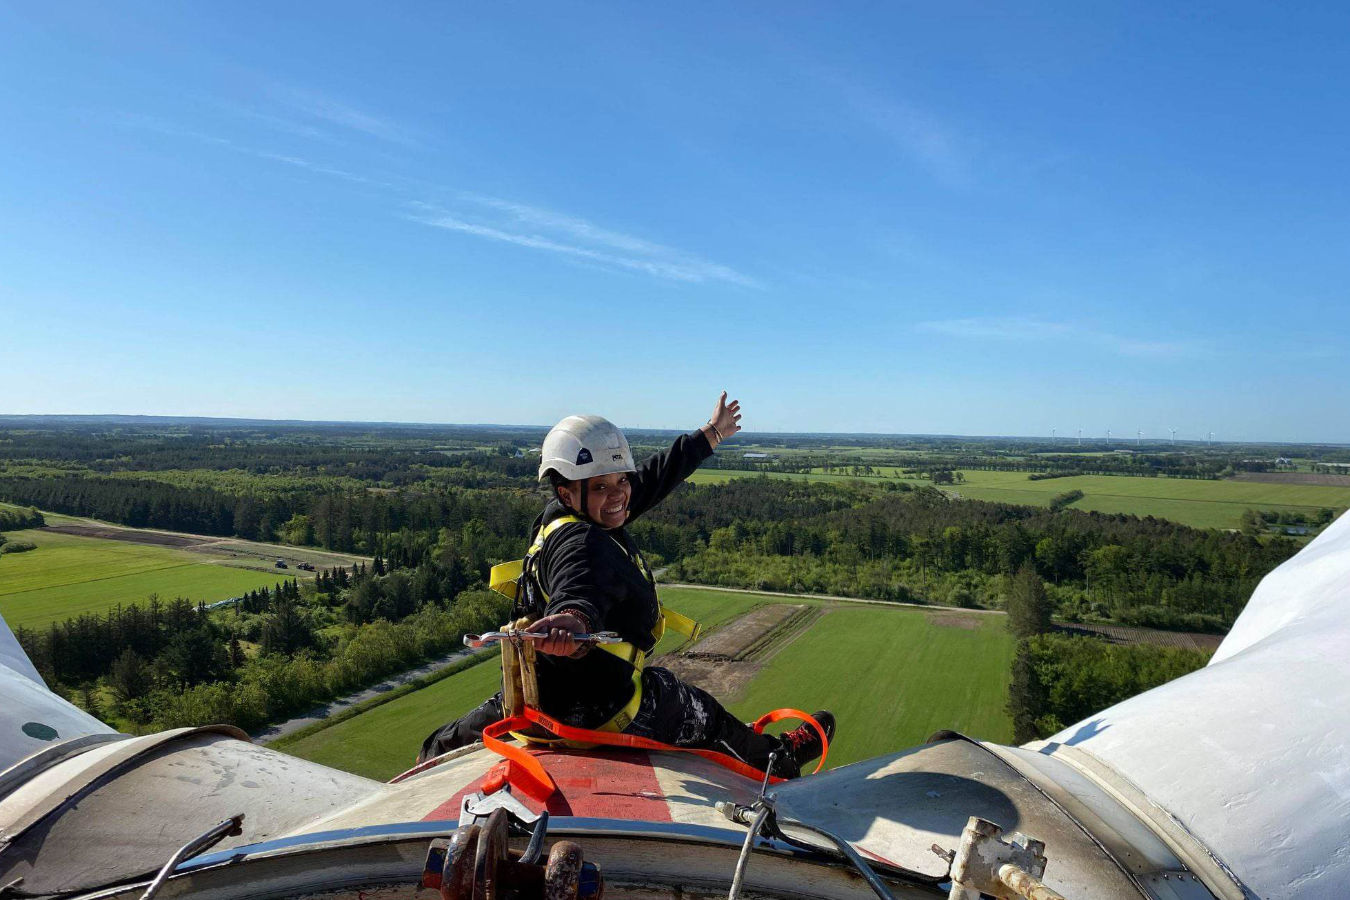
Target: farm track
point(1294, 478)
point(768, 646)
point(725, 662)
point(735, 639)
point(213, 549)
point(322, 711)
point(135, 536)
point(968, 618)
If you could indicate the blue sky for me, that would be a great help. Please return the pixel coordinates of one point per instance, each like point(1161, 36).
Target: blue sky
point(886, 217)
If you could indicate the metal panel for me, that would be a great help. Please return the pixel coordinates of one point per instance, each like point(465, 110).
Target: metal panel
point(661, 862)
point(897, 807)
point(121, 811)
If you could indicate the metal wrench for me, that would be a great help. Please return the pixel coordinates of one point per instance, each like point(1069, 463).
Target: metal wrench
point(492, 637)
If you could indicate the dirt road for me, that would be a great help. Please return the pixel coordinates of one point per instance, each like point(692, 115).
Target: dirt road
point(319, 713)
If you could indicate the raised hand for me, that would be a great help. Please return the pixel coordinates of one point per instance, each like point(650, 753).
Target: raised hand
point(726, 418)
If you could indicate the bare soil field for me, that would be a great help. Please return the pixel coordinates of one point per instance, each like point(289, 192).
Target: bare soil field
point(1126, 634)
point(107, 532)
point(224, 551)
point(1294, 478)
point(726, 661)
point(945, 619)
point(732, 640)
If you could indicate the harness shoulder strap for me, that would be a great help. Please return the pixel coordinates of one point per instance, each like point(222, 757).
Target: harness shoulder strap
point(547, 531)
point(505, 577)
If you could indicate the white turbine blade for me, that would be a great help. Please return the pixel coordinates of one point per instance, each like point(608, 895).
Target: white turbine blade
point(31, 716)
point(13, 657)
point(1252, 753)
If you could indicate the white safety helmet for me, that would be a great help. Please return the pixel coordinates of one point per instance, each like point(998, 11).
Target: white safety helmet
point(581, 447)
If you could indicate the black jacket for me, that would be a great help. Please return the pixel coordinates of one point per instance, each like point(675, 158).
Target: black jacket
point(584, 568)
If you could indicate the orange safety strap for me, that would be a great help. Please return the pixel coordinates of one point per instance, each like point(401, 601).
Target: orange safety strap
point(524, 771)
point(778, 715)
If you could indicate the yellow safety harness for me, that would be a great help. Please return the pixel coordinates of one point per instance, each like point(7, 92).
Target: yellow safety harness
point(505, 580)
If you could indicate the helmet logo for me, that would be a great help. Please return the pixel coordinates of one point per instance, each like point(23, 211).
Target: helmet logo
point(617, 457)
point(584, 457)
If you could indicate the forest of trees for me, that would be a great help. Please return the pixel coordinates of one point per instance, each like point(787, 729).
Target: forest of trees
point(1058, 679)
point(920, 545)
point(17, 520)
point(274, 653)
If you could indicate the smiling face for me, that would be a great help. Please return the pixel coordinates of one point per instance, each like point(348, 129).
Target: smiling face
point(607, 498)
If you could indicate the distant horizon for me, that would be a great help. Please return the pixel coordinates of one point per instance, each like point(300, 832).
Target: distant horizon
point(1124, 441)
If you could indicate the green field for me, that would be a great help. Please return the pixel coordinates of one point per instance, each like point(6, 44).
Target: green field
point(1201, 504)
point(891, 675)
point(68, 575)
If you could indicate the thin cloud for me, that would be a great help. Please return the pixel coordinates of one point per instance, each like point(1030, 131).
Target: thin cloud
point(318, 168)
point(1018, 330)
point(278, 123)
point(327, 109)
point(159, 127)
point(927, 140)
point(507, 221)
point(575, 237)
point(579, 228)
point(696, 272)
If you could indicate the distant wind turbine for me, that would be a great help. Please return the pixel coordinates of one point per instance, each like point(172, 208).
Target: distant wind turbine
point(1174, 435)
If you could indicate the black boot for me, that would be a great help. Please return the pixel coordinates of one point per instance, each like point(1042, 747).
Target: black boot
point(803, 743)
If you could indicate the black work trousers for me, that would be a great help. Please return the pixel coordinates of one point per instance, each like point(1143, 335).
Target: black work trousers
point(671, 711)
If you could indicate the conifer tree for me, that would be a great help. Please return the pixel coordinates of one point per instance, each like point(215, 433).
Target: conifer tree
point(1028, 604)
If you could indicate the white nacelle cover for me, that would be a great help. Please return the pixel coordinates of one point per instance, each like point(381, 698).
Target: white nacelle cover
point(1252, 753)
point(32, 717)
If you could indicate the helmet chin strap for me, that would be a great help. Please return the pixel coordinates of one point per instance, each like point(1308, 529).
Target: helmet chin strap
point(581, 483)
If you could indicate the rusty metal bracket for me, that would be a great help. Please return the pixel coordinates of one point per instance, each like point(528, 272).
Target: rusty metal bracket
point(478, 806)
point(477, 863)
point(986, 864)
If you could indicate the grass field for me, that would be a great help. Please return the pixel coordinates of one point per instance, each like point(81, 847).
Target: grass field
point(1201, 504)
point(68, 575)
point(892, 676)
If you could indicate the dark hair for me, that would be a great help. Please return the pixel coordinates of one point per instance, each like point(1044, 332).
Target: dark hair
point(555, 481)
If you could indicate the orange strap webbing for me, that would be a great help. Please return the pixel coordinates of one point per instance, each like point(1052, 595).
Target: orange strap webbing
point(524, 771)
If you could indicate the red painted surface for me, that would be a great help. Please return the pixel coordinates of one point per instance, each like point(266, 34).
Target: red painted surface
point(609, 784)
